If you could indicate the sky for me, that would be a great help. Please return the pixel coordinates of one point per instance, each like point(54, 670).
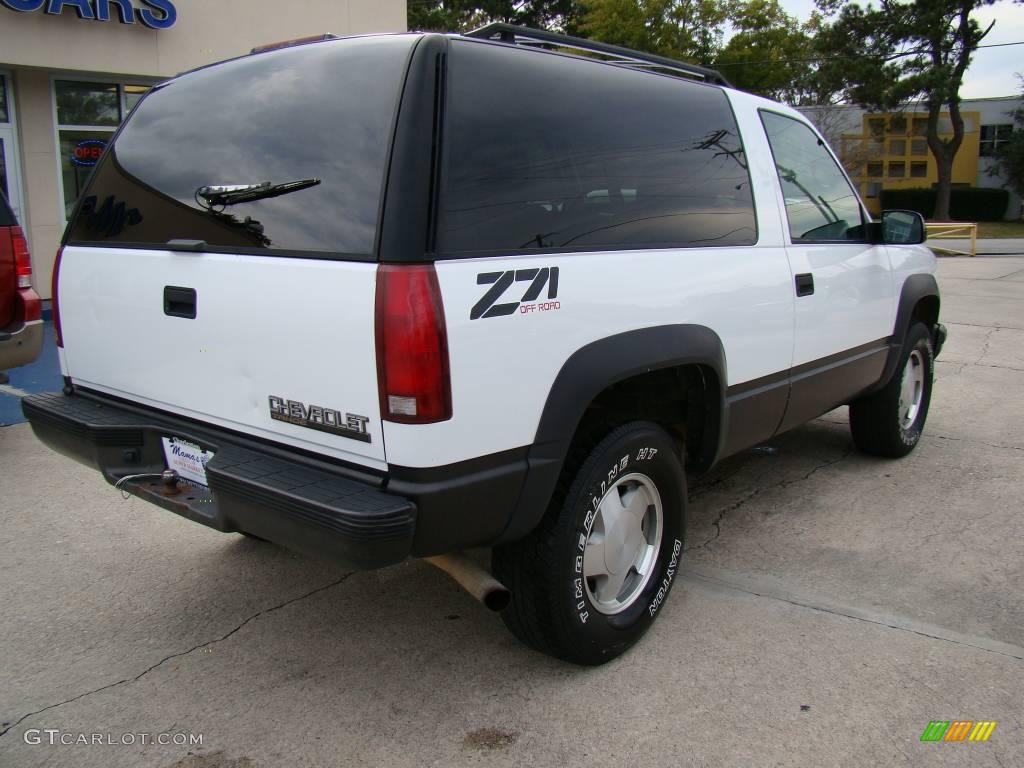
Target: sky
point(992, 71)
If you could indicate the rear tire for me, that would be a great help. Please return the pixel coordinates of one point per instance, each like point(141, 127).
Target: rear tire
point(589, 581)
point(889, 422)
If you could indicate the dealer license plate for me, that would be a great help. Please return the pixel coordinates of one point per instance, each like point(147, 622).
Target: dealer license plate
point(187, 459)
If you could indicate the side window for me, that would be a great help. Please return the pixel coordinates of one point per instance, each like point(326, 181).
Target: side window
point(820, 203)
point(544, 152)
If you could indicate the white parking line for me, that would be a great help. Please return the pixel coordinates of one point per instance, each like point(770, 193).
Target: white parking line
point(7, 389)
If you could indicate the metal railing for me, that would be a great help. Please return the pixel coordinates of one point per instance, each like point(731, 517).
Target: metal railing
point(953, 230)
point(614, 54)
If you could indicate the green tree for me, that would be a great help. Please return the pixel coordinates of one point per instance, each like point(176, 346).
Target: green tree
point(464, 15)
point(772, 54)
point(1009, 156)
point(882, 58)
point(682, 29)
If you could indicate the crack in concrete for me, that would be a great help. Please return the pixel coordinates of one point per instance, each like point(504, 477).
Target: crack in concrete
point(164, 660)
point(843, 614)
point(889, 626)
point(1000, 367)
point(970, 522)
point(975, 442)
point(703, 484)
point(979, 325)
point(892, 739)
point(985, 344)
point(957, 372)
point(720, 516)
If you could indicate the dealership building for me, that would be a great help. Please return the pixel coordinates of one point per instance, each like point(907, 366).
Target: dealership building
point(71, 70)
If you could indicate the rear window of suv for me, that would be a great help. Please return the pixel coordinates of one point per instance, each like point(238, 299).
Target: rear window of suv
point(547, 152)
point(320, 112)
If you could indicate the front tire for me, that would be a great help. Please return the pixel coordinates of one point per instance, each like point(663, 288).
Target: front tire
point(889, 422)
point(591, 579)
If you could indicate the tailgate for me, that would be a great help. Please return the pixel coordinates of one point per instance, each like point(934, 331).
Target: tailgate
point(221, 263)
point(273, 341)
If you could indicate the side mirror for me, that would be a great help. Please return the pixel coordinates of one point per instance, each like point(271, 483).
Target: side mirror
point(902, 228)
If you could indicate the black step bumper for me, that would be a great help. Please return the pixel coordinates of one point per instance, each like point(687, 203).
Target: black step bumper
point(300, 503)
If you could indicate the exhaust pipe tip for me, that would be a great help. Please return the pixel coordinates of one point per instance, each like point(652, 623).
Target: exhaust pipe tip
point(497, 600)
point(474, 579)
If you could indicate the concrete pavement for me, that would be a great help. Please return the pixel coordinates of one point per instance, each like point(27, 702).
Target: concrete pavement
point(831, 605)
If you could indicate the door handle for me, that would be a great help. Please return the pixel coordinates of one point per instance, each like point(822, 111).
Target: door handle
point(193, 246)
point(805, 284)
point(180, 302)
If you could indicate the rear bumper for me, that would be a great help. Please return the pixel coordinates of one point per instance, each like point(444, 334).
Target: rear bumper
point(20, 345)
point(306, 505)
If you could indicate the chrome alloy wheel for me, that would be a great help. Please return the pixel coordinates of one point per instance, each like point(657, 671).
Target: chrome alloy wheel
point(622, 548)
point(911, 389)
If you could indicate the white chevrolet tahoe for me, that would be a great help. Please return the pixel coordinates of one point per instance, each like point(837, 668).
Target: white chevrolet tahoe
point(405, 295)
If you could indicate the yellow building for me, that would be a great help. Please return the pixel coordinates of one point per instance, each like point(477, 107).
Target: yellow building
point(891, 152)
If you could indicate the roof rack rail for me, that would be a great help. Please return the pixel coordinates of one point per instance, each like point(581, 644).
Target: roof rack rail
point(291, 43)
point(511, 33)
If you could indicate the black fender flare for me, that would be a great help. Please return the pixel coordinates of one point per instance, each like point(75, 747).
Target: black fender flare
point(584, 375)
point(915, 288)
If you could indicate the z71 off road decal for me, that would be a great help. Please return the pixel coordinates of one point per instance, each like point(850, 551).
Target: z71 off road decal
point(500, 282)
point(319, 418)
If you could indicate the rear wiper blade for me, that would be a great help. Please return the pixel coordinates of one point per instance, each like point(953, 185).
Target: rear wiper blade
point(232, 194)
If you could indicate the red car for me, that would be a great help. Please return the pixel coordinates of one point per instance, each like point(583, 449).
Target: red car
point(21, 325)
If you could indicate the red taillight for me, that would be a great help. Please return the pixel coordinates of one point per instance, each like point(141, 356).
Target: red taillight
point(412, 346)
point(53, 297)
point(27, 306)
point(22, 261)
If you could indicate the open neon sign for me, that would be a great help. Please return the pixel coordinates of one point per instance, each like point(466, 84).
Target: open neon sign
point(88, 152)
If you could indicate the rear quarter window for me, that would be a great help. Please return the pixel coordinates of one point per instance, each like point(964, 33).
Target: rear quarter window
point(322, 111)
point(546, 152)
point(6, 214)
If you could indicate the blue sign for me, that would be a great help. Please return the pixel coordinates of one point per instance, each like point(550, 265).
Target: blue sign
point(155, 14)
point(88, 152)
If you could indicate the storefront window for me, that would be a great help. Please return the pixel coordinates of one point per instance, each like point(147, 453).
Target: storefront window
point(132, 94)
point(88, 104)
point(79, 151)
point(87, 116)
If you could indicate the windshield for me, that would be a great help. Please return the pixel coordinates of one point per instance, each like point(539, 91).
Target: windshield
point(320, 112)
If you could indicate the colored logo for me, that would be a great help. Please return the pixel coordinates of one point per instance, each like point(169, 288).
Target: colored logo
point(502, 281)
point(958, 730)
point(160, 14)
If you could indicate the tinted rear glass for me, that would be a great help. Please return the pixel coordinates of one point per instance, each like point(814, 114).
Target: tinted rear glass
point(322, 111)
point(6, 215)
point(548, 152)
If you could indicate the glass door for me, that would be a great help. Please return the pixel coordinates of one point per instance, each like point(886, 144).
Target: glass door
point(10, 179)
point(9, 183)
